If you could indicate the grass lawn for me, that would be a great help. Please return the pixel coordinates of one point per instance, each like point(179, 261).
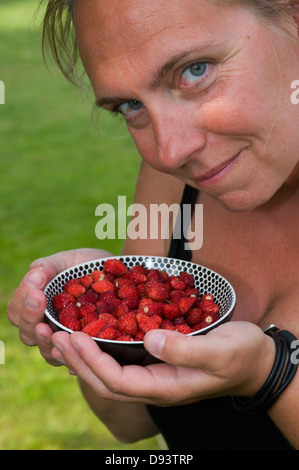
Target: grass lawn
point(56, 166)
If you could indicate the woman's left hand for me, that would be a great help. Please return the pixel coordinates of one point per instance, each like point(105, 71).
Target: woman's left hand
point(233, 359)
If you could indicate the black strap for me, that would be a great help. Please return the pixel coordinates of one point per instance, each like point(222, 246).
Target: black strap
point(177, 245)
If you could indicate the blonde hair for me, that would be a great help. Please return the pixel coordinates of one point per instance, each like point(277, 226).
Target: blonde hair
point(59, 37)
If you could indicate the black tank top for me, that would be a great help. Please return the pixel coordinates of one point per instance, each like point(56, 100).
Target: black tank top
point(213, 424)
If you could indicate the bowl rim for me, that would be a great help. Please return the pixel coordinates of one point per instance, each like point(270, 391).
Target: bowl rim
point(143, 258)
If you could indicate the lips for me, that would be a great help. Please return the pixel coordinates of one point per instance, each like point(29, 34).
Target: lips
point(217, 172)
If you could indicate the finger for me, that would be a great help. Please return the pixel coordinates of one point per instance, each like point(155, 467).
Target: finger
point(181, 350)
point(44, 335)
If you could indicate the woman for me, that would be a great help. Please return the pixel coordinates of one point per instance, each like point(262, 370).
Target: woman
point(204, 87)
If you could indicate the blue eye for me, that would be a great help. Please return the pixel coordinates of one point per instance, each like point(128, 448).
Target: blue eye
point(193, 73)
point(129, 108)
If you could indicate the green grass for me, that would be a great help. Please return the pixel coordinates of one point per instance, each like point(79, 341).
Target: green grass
point(55, 168)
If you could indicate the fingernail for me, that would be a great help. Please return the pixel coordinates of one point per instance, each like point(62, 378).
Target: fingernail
point(35, 279)
point(155, 343)
point(31, 302)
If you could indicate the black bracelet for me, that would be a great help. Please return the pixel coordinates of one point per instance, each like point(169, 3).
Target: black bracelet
point(282, 373)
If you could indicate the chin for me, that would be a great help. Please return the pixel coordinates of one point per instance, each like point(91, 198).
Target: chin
point(242, 201)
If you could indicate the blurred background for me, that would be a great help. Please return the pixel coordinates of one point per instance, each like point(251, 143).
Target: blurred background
point(58, 162)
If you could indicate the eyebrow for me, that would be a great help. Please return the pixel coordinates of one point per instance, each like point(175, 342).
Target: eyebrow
point(164, 69)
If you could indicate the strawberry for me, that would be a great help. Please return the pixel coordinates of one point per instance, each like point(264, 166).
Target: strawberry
point(75, 289)
point(185, 329)
point(128, 291)
point(107, 332)
point(86, 309)
point(70, 283)
point(109, 296)
point(192, 292)
point(153, 308)
point(125, 338)
point(90, 297)
point(93, 328)
point(136, 277)
point(120, 310)
point(89, 318)
point(187, 278)
point(72, 310)
point(171, 311)
point(102, 286)
point(123, 281)
point(193, 316)
point(207, 297)
point(132, 301)
point(139, 268)
point(167, 324)
point(60, 301)
point(127, 324)
point(156, 291)
point(86, 281)
point(177, 283)
point(103, 307)
point(109, 319)
point(208, 306)
point(176, 295)
point(115, 267)
point(209, 318)
point(71, 322)
point(139, 335)
point(157, 318)
point(146, 323)
point(154, 275)
point(186, 303)
point(97, 275)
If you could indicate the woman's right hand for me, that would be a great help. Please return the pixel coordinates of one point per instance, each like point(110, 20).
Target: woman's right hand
point(26, 309)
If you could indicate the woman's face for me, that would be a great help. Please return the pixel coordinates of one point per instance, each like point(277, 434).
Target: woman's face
point(205, 91)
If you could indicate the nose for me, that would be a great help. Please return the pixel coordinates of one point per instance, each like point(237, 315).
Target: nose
point(179, 137)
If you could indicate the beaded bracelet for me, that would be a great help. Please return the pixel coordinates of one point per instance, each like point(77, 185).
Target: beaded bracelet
point(282, 373)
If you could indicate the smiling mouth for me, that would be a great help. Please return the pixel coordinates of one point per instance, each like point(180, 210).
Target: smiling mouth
point(215, 174)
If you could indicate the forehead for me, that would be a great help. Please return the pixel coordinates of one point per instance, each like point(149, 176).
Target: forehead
point(108, 28)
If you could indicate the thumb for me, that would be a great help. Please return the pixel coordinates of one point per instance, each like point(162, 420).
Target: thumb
point(176, 348)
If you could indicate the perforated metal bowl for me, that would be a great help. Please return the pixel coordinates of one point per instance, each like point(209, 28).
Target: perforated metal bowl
point(133, 352)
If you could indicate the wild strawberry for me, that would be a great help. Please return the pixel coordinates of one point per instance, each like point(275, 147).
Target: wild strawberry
point(86, 281)
point(69, 283)
point(208, 306)
point(115, 267)
point(154, 308)
point(127, 324)
point(107, 332)
point(157, 318)
point(171, 311)
point(103, 307)
point(193, 316)
point(60, 301)
point(120, 310)
point(109, 319)
point(139, 268)
point(123, 281)
point(187, 278)
point(176, 295)
point(89, 318)
point(209, 318)
point(90, 297)
point(144, 302)
point(93, 328)
point(132, 301)
point(102, 286)
point(146, 323)
point(192, 292)
point(97, 275)
point(177, 283)
point(76, 290)
point(167, 324)
point(156, 291)
point(109, 296)
point(86, 309)
point(71, 309)
point(186, 303)
point(128, 291)
point(185, 329)
point(207, 297)
point(164, 276)
point(71, 322)
point(154, 275)
point(139, 335)
point(136, 277)
point(124, 338)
